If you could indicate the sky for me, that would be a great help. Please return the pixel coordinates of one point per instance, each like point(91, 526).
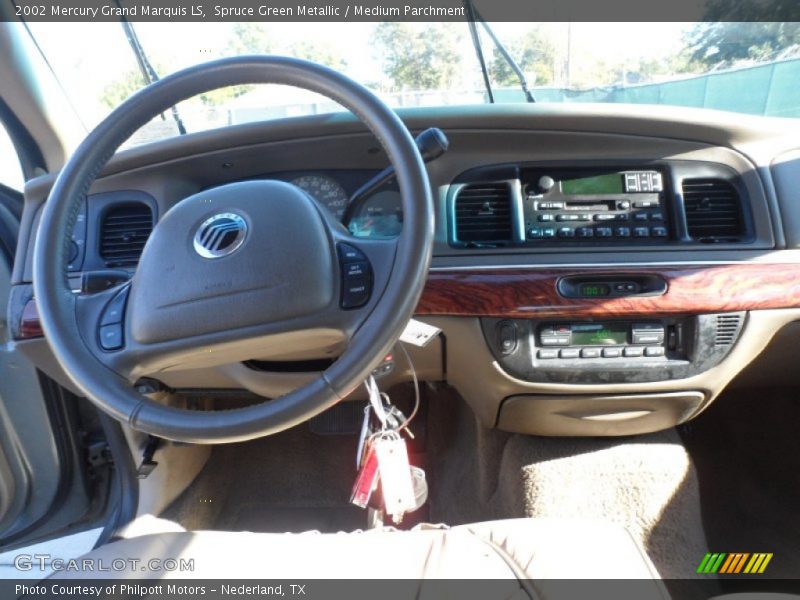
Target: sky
point(87, 56)
point(100, 49)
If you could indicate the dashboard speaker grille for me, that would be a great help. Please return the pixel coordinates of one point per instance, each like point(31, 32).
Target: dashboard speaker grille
point(483, 213)
point(713, 210)
point(124, 232)
point(728, 327)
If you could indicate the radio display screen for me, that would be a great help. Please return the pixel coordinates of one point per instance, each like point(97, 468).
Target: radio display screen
point(596, 334)
point(600, 184)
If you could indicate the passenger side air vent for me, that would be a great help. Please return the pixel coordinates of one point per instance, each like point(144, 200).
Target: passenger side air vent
point(483, 213)
point(728, 327)
point(713, 210)
point(123, 233)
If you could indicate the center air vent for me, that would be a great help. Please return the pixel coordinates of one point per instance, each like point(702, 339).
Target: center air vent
point(728, 326)
point(123, 233)
point(713, 210)
point(483, 213)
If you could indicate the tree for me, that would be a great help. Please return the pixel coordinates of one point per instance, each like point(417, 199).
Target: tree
point(324, 54)
point(725, 42)
point(419, 57)
point(248, 38)
point(117, 91)
point(534, 52)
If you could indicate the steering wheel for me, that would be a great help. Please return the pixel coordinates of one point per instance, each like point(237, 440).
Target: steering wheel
point(234, 270)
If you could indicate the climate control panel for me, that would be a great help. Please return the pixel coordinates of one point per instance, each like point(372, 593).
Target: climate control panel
point(611, 350)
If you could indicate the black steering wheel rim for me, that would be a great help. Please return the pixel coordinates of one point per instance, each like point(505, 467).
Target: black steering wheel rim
point(113, 393)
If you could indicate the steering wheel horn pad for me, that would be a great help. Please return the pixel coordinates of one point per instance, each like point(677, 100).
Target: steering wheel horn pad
point(279, 284)
point(285, 267)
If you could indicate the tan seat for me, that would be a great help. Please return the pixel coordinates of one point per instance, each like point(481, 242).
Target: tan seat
point(516, 550)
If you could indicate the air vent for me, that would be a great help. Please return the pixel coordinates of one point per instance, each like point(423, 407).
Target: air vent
point(123, 233)
point(728, 326)
point(483, 213)
point(713, 210)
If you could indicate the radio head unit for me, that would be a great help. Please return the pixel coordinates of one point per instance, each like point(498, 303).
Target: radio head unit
point(582, 206)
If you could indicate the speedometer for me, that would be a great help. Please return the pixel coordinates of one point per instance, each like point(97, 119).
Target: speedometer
point(325, 190)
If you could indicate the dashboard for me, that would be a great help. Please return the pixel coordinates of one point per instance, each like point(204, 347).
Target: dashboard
point(379, 216)
point(597, 270)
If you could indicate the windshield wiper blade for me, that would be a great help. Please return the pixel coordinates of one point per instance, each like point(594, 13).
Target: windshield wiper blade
point(474, 15)
point(148, 72)
point(469, 9)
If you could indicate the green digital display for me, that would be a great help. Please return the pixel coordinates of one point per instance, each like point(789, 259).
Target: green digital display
point(595, 290)
point(600, 184)
point(599, 335)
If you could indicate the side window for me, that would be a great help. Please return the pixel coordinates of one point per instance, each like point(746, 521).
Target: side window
point(10, 169)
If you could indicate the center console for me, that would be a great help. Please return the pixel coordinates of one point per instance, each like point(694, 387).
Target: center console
point(611, 350)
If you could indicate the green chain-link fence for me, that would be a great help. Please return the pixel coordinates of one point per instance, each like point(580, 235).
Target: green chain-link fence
point(771, 89)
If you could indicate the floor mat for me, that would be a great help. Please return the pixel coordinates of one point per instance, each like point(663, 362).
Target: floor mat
point(747, 451)
point(292, 481)
point(645, 483)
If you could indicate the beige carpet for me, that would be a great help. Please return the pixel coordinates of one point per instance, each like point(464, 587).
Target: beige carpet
point(647, 483)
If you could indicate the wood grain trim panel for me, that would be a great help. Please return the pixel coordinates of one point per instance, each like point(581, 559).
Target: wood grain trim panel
point(532, 292)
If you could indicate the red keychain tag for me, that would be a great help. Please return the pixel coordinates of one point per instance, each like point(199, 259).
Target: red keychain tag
point(367, 478)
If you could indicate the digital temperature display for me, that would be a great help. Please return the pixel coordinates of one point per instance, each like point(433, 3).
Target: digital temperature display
point(595, 290)
point(595, 334)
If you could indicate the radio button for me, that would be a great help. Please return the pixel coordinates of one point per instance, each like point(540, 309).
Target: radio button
point(566, 232)
point(567, 217)
point(654, 351)
point(640, 216)
point(623, 205)
point(623, 232)
point(585, 232)
point(590, 352)
point(641, 232)
point(656, 183)
point(548, 353)
point(569, 353)
point(554, 340)
point(549, 232)
point(544, 218)
point(659, 231)
point(626, 287)
point(640, 337)
point(648, 327)
point(633, 351)
point(645, 204)
point(605, 217)
point(535, 233)
point(657, 216)
point(603, 231)
point(612, 352)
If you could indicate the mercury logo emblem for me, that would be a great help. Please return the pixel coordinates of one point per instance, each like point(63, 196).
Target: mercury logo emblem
point(220, 235)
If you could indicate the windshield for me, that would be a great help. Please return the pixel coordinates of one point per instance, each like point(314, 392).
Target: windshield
point(742, 67)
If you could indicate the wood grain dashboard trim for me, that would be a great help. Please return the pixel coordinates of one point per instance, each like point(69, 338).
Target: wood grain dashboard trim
point(531, 293)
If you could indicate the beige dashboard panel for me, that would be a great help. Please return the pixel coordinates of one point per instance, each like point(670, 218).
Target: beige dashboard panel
point(474, 372)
